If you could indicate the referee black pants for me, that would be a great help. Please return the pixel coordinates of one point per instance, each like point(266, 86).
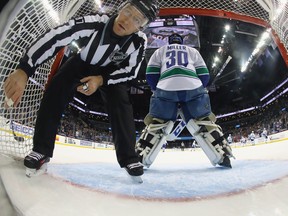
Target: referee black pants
point(60, 92)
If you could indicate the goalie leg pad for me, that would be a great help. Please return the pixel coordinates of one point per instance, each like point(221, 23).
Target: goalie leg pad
point(210, 137)
point(152, 139)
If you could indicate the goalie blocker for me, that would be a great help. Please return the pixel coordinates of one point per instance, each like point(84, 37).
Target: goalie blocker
point(207, 134)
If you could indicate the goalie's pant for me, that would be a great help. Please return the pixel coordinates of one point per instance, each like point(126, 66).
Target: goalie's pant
point(60, 92)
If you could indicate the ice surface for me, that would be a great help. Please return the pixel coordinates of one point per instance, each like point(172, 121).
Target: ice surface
point(90, 182)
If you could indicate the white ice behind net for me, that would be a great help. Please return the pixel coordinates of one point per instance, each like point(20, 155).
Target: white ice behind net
point(34, 17)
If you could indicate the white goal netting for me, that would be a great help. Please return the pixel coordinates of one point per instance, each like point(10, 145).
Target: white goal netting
point(31, 18)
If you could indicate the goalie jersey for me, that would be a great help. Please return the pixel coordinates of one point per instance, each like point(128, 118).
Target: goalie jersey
point(177, 67)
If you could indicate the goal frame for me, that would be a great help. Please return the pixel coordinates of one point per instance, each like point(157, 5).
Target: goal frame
point(70, 8)
point(229, 15)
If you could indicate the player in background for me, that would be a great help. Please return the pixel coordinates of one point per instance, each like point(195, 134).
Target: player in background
point(164, 146)
point(243, 141)
point(177, 75)
point(265, 134)
point(252, 137)
point(230, 139)
point(112, 56)
point(182, 146)
point(194, 145)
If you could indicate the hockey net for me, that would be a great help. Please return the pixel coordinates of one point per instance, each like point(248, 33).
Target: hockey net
point(31, 18)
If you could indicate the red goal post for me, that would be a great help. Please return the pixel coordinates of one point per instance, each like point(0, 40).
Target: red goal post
point(31, 18)
point(232, 15)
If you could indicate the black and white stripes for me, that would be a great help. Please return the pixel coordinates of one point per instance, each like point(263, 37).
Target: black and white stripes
point(98, 50)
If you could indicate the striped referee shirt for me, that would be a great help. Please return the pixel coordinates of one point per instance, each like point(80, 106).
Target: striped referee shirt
point(120, 57)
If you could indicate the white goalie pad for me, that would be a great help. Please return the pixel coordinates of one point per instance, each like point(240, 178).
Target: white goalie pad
point(215, 148)
point(152, 139)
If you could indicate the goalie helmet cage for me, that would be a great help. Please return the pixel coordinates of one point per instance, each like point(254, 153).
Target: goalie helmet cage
point(28, 19)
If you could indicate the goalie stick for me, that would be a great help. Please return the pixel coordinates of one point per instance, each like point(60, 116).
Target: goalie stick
point(17, 138)
point(176, 132)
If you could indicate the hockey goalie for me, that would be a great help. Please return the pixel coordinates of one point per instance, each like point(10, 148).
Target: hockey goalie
point(177, 75)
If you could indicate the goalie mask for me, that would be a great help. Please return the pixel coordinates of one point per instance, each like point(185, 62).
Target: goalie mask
point(175, 39)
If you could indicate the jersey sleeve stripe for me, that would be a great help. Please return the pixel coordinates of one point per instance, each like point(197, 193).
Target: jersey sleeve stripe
point(152, 70)
point(202, 71)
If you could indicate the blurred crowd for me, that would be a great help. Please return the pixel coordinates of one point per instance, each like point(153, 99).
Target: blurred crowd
point(248, 126)
point(77, 127)
point(271, 119)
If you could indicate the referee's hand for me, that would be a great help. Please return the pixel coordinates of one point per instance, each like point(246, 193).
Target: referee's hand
point(90, 84)
point(14, 87)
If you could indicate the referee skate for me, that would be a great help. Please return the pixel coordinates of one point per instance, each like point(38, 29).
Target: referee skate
point(36, 164)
